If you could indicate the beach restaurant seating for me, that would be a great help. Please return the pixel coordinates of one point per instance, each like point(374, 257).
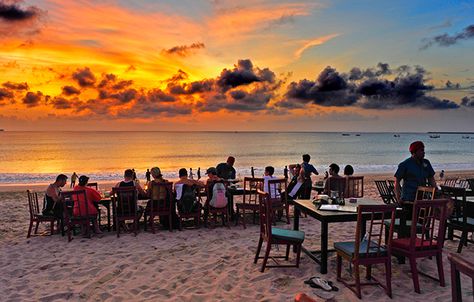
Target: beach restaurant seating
point(336, 184)
point(431, 214)
point(459, 265)
point(160, 206)
point(354, 187)
point(369, 250)
point(76, 212)
point(249, 199)
point(279, 197)
point(36, 216)
point(385, 191)
point(125, 208)
point(460, 219)
point(215, 211)
point(188, 204)
point(275, 236)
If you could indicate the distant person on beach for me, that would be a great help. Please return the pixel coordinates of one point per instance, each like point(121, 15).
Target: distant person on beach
point(184, 179)
point(128, 181)
point(414, 171)
point(331, 179)
point(305, 173)
point(226, 170)
point(441, 175)
point(73, 179)
point(53, 203)
point(348, 170)
point(148, 175)
point(134, 177)
point(92, 198)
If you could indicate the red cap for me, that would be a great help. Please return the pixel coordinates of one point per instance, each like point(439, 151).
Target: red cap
point(415, 146)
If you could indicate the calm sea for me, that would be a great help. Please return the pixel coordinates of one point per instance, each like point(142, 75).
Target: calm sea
point(36, 157)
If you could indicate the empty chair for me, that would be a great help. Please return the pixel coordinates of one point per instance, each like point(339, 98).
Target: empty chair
point(354, 187)
point(125, 208)
point(369, 250)
point(249, 199)
point(77, 211)
point(425, 193)
point(36, 216)
point(277, 192)
point(275, 236)
point(459, 265)
point(450, 182)
point(160, 205)
point(431, 214)
point(385, 191)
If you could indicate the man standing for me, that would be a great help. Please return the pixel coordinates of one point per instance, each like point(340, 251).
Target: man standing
point(148, 175)
point(73, 179)
point(414, 171)
point(226, 170)
point(305, 174)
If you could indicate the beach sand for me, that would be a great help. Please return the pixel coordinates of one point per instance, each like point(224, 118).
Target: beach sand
point(191, 265)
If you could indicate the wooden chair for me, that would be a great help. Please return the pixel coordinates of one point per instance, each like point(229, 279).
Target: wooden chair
point(431, 214)
point(195, 213)
point(450, 182)
point(273, 235)
point(459, 265)
point(125, 207)
point(369, 250)
point(36, 216)
point(249, 199)
point(354, 187)
point(470, 181)
point(336, 184)
point(461, 219)
point(425, 193)
point(214, 212)
point(279, 197)
point(387, 194)
point(93, 185)
point(164, 206)
point(77, 212)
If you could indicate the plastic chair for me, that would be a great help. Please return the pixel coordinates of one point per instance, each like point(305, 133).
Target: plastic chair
point(249, 199)
point(431, 214)
point(36, 216)
point(276, 236)
point(163, 206)
point(125, 208)
point(369, 250)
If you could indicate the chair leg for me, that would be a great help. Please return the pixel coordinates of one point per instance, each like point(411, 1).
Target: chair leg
point(357, 280)
point(462, 240)
point(36, 228)
point(51, 228)
point(414, 274)
point(145, 228)
point(388, 277)
point(298, 255)
point(152, 223)
point(259, 247)
point(287, 209)
point(368, 275)
point(265, 259)
point(339, 266)
point(170, 217)
point(287, 255)
point(29, 229)
point(439, 262)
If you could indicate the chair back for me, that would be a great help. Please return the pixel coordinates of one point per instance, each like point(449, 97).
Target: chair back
point(450, 182)
point(251, 185)
point(431, 214)
point(385, 191)
point(33, 204)
point(425, 193)
point(93, 185)
point(277, 191)
point(373, 246)
point(266, 215)
point(160, 196)
point(463, 183)
point(470, 181)
point(337, 184)
point(188, 201)
point(458, 195)
point(75, 203)
point(354, 187)
point(124, 201)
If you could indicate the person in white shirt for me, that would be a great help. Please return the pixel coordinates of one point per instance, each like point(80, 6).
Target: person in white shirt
point(270, 188)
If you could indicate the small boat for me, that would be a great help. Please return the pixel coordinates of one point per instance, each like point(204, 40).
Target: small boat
point(396, 135)
point(434, 136)
point(357, 134)
point(345, 134)
point(465, 136)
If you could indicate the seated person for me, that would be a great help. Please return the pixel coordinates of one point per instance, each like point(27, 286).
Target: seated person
point(53, 205)
point(185, 189)
point(158, 193)
point(332, 180)
point(296, 181)
point(128, 181)
point(348, 170)
point(268, 175)
point(211, 181)
point(92, 199)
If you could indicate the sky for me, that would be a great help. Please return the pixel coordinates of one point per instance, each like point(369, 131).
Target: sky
point(249, 65)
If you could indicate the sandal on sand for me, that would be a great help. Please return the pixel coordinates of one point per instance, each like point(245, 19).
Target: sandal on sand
point(318, 282)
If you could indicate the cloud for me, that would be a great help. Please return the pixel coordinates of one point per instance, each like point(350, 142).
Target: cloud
point(70, 90)
point(243, 74)
point(18, 21)
point(184, 50)
point(16, 86)
point(84, 77)
point(467, 102)
point(446, 40)
point(5, 94)
point(32, 99)
point(312, 43)
point(59, 102)
point(14, 13)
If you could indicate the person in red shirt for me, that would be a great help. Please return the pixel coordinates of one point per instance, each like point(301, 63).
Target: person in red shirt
point(92, 199)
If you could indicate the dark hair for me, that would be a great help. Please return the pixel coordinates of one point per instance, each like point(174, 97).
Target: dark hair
point(348, 170)
point(231, 160)
point(183, 172)
point(61, 177)
point(128, 173)
point(270, 170)
point(334, 167)
point(306, 158)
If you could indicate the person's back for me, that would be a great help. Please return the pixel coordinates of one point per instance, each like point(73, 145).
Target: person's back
point(92, 196)
point(226, 170)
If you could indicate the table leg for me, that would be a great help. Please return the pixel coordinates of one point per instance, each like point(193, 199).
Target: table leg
point(230, 206)
point(296, 219)
point(108, 217)
point(324, 247)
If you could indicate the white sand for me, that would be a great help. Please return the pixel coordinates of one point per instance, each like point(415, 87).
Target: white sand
point(192, 265)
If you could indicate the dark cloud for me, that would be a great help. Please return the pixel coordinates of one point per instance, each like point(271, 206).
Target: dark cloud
point(32, 99)
point(468, 101)
point(16, 86)
point(159, 96)
point(84, 77)
point(59, 102)
point(183, 50)
point(5, 94)
point(123, 97)
point(70, 90)
point(14, 13)
point(206, 85)
point(244, 101)
point(448, 40)
point(243, 74)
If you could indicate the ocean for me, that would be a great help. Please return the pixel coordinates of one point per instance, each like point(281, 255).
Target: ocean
point(37, 157)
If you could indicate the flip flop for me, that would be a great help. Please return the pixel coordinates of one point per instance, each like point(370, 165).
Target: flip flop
point(313, 284)
point(318, 282)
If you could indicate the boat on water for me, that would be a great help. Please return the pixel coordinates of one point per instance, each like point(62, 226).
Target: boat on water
point(345, 134)
point(434, 136)
point(465, 136)
point(396, 135)
point(357, 134)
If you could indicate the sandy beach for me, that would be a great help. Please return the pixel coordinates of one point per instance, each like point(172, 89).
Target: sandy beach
point(191, 265)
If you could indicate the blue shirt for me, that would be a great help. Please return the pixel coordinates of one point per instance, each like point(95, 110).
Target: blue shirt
point(414, 174)
point(308, 169)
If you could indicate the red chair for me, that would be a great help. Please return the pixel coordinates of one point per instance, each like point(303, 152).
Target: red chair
point(76, 212)
point(275, 235)
point(459, 265)
point(354, 187)
point(278, 194)
point(125, 208)
point(162, 206)
point(370, 249)
point(213, 211)
point(431, 214)
point(249, 199)
point(36, 216)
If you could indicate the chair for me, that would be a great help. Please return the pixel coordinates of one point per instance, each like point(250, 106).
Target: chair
point(470, 181)
point(459, 265)
point(213, 211)
point(354, 187)
point(37, 216)
point(125, 207)
point(93, 185)
point(77, 212)
point(369, 250)
point(275, 235)
point(425, 193)
point(386, 193)
point(336, 184)
point(279, 197)
point(162, 206)
point(249, 199)
point(461, 219)
point(184, 212)
point(431, 214)
point(450, 182)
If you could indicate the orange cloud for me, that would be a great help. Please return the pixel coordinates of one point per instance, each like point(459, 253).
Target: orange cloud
point(312, 43)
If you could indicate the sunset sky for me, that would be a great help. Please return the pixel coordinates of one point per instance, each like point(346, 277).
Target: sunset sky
point(237, 65)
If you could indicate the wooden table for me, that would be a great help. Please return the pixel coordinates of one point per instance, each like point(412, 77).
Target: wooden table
point(326, 217)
